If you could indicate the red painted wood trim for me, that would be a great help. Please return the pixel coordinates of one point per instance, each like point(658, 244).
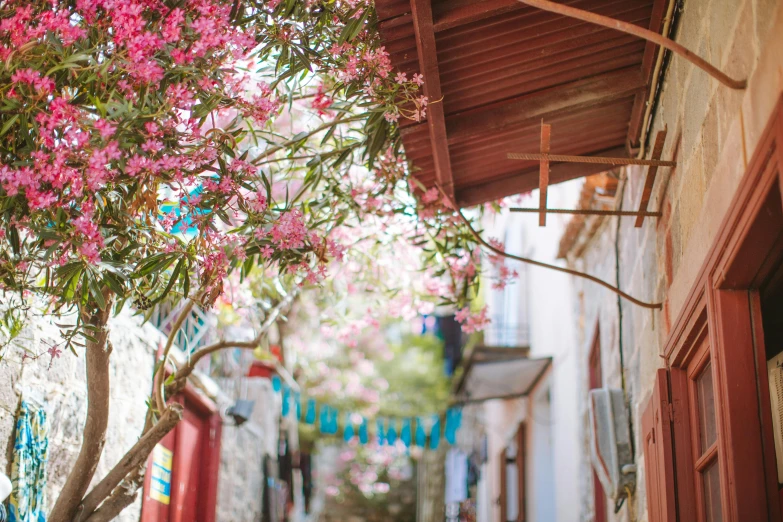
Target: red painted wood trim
point(683, 455)
point(212, 467)
point(658, 450)
point(436, 120)
point(766, 409)
point(521, 474)
point(742, 472)
point(502, 499)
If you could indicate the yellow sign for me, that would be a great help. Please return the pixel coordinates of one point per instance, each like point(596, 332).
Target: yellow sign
point(160, 485)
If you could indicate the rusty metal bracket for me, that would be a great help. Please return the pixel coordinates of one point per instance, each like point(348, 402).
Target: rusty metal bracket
point(650, 36)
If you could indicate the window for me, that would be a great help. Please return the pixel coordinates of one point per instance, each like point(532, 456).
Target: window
point(704, 435)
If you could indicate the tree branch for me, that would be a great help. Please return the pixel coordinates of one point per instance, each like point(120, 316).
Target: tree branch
point(122, 497)
point(94, 434)
point(160, 400)
point(533, 262)
point(182, 374)
point(134, 458)
point(298, 138)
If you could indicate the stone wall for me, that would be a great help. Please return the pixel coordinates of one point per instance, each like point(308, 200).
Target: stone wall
point(60, 385)
point(712, 131)
point(243, 448)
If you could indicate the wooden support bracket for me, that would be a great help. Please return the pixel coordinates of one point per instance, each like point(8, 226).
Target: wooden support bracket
point(544, 157)
point(649, 182)
point(543, 177)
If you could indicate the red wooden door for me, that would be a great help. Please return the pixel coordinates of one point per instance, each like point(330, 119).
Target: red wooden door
point(192, 434)
point(155, 506)
point(191, 454)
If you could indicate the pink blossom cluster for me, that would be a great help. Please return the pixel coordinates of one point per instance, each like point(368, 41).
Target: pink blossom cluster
point(503, 274)
point(472, 322)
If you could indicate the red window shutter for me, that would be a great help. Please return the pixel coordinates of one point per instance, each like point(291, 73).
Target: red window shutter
point(659, 452)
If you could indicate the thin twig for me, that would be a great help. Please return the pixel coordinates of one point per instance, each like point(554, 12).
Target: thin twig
point(569, 271)
point(160, 400)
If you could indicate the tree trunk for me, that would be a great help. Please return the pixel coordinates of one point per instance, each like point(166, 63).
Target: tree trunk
point(94, 434)
point(432, 485)
point(135, 457)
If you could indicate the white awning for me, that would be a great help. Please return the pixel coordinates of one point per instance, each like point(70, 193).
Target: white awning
point(499, 373)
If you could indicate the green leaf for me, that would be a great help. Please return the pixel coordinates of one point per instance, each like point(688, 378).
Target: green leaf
point(8, 124)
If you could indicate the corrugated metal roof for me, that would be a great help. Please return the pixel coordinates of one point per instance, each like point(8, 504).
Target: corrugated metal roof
point(502, 67)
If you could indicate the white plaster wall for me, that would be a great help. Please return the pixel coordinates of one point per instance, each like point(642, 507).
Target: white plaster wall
point(543, 300)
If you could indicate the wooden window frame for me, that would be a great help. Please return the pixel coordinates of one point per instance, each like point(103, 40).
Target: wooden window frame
point(724, 306)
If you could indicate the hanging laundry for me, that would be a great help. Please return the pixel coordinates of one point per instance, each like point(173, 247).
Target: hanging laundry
point(456, 476)
point(28, 471)
point(276, 384)
point(298, 403)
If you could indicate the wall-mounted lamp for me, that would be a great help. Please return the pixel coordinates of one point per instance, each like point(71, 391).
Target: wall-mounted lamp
point(241, 411)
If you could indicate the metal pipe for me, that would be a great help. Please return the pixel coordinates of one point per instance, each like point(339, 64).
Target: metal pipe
point(587, 212)
point(527, 156)
point(641, 32)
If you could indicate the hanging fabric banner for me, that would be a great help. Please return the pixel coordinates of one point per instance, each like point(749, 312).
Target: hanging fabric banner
point(381, 435)
point(323, 420)
point(276, 384)
point(310, 413)
point(363, 435)
point(348, 431)
point(334, 414)
point(453, 421)
point(286, 401)
point(435, 434)
point(405, 432)
point(391, 432)
point(421, 435)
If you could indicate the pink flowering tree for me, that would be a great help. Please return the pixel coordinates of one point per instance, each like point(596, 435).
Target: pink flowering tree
point(151, 148)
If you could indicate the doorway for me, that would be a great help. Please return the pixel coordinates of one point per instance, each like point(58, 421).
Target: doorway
point(181, 480)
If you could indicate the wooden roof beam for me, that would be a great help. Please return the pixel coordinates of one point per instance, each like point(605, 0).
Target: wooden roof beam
point(578, 95)
point(428, 64)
